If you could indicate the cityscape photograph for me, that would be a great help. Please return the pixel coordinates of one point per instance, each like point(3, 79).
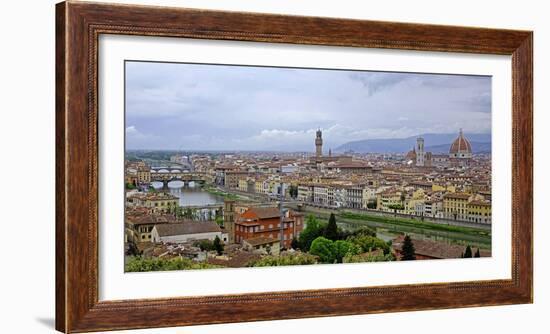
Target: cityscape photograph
point(231, 166)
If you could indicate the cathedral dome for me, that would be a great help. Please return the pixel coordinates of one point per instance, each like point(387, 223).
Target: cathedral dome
point(411, 155)
point(461, 147)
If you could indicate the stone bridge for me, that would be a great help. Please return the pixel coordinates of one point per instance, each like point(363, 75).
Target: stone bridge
point(166, 175)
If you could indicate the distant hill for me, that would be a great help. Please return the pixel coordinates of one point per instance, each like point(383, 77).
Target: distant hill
point(436, 143)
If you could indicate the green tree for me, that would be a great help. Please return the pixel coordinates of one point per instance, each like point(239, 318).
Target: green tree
point(331, 232)
point(396, 207)
point(293, 191)
point(312, 230)
point(344, 248)
point(407, 250)
point(296, 258)
point(477, 253)
point(295, 244)
point(364, 231)
point(204, 245)
point(219, 221)
point(368, 258)
point(218, 246)
point(468, 252)
point(178, 211)
point(132, 249)
point(188, 213)
point(140, 264)
point(369, 243)
point(324, 249)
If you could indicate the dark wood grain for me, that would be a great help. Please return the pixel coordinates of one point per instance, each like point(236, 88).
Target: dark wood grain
point(60, 135)
point(78, 27)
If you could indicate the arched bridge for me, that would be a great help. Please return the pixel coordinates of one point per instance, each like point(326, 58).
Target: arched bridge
point(166, 175)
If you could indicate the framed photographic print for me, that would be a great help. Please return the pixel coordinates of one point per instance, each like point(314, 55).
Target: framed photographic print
point(223, 166)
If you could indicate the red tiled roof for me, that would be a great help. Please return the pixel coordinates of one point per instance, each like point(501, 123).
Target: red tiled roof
point(261, 213)
point(187, 228)
point(260, 241)
point(438, 250)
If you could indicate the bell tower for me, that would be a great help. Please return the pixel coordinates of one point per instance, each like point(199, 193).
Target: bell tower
point(319, 144)
point(420, 155)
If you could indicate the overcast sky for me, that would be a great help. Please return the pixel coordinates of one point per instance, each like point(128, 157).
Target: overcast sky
point(217, 107)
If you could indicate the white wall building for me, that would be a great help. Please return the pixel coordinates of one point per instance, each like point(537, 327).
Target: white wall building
point(187, 231)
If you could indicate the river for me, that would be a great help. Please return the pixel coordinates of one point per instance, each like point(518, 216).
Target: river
point(192, 195)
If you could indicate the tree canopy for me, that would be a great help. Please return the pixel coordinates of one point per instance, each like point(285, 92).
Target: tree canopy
point(407, 250)
point(324, 249)
point(140, 264)
point(297, 258)
point(368, 258)
point(468, 252)
point(331, 232)
point(295, 244)
point(313, 229)
point(218, 246)
point(477, 253)
point(369, 243)
point(205, 245)
point(330, 251)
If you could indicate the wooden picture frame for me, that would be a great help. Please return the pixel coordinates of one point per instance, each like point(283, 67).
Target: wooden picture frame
point(78, 27)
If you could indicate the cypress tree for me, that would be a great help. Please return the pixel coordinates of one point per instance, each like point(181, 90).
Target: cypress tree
point(331, 231)
point(218, 246)
point(477, 253)
point(468, 252)
point(407, 250)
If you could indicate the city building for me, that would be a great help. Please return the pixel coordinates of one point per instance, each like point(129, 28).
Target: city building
point(479, 212)
point(187, 231)
point(139, 224)
point(455, 206)
point(263, 245)
point(156, 202)
point(266, 222)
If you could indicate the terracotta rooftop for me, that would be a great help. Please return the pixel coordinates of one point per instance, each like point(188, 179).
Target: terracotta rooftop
point(438, 250)
point(237, 260)
point(260, 241)
point(187, 228)
point(456, 195)
point(144, 219)
point(262, 213)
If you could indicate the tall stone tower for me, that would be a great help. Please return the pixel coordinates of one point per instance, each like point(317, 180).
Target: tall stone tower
point(319, 144)
point(420, 154)
point(229, 219)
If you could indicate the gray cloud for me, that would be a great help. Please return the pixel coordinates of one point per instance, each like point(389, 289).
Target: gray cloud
point(376, 81)
point(194, 106)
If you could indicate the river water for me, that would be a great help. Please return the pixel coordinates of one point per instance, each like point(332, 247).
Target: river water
point(192, 195)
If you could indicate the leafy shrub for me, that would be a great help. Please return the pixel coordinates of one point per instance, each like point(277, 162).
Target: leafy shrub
point(297, 258)
point(140, 264)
